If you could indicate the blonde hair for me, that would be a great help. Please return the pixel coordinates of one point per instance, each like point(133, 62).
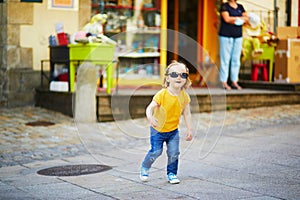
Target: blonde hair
point(173, 63)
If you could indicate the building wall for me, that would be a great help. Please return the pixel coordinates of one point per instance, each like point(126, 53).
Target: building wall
point(13, 56)
point(295, 12)
point(36, 35)
point(25, 28)
point(3, 52)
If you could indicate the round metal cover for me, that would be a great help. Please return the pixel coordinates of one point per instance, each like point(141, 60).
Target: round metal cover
point(74, 170)
point(40, 123)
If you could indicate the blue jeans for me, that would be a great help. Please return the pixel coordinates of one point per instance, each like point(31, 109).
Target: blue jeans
point(230, 54)
point(157, 140)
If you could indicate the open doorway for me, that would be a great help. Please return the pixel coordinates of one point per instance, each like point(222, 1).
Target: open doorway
point(183, 17)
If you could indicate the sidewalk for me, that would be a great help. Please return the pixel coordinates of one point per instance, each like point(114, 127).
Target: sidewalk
point(239, 154)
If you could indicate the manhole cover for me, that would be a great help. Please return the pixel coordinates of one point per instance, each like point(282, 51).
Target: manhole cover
point(40, 123)
point(73, 170)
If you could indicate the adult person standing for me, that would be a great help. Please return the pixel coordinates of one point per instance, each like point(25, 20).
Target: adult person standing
point(233, 16)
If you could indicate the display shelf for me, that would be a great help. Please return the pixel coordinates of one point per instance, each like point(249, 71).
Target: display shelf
point(127, 7)
point(59, 64)
point(140, 63)
point(139, 55)
point(144, 40)
point(147, 30)
point(138, 68)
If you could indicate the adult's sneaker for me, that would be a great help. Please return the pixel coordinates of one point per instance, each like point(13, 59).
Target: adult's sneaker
point(172, 178)
point(144, 176)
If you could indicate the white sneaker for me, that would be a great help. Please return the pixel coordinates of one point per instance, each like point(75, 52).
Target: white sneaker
point(144, 176)
point(172, 178)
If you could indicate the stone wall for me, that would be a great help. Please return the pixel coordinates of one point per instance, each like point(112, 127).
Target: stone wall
point(18, 80)
point(3, 53)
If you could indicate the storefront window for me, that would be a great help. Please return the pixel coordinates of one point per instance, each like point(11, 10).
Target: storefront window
point(135, 26)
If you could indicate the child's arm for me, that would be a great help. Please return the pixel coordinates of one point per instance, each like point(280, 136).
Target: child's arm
point(149, 113)
point(188, 121)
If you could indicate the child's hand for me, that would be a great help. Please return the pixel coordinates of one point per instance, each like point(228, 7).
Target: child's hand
point(153, 122)
point(189, 135)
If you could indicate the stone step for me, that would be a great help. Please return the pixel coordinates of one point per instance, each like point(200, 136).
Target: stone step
point(125, 106)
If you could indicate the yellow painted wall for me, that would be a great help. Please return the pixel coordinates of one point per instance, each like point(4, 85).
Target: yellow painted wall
point(35, 36)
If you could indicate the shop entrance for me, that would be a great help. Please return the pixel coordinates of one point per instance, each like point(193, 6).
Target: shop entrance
point(185, 17)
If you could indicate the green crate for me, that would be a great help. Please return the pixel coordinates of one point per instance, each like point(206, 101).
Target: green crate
point(97, 53)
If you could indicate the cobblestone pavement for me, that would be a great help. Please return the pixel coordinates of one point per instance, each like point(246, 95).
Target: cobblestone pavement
point(21, 143)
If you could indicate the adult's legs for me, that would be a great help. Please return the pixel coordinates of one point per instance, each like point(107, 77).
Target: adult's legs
point(226, 44)
point(236, 59)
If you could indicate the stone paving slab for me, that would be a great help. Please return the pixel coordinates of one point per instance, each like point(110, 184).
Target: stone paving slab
point(257, 156)
point(62, 190)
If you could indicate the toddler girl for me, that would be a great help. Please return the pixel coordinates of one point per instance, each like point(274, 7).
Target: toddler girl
point(164, 113)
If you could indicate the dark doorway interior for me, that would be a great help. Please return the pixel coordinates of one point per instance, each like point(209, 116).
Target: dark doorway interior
point(182, 17)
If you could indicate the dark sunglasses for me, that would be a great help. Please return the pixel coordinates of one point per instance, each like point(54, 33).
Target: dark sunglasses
point(175, 75)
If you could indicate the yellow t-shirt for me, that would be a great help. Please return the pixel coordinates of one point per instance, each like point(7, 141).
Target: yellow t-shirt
point(170, 109)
